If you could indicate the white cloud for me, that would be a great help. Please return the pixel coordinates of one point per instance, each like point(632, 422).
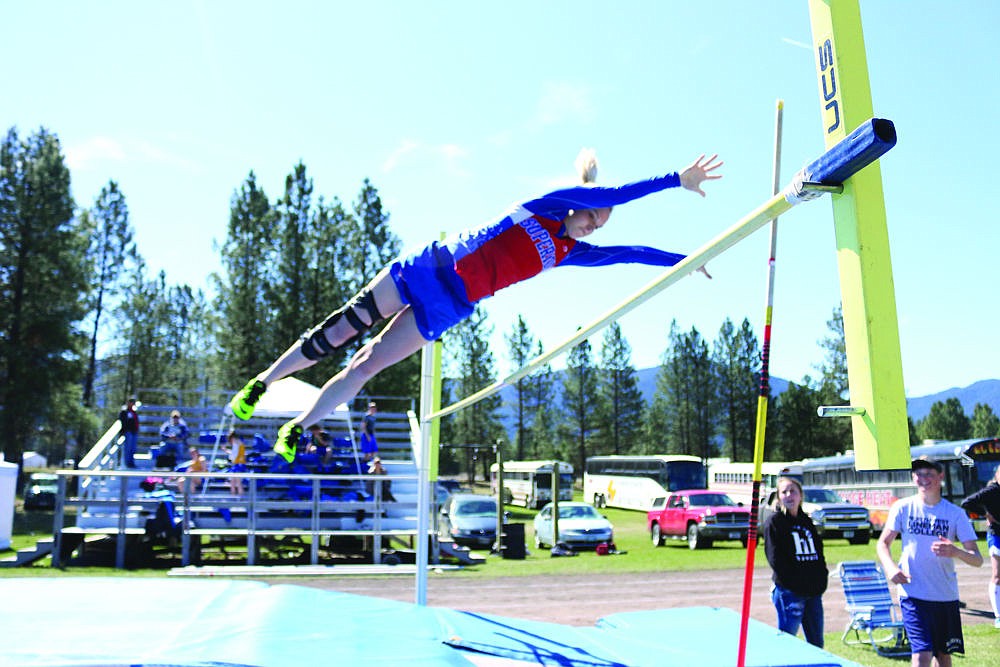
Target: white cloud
point(84, 155)
point(95, 149)
point(406, 147)
point(409, 150)
point(788, 40)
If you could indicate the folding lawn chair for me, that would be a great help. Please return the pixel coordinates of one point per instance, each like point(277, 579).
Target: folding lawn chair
point(874, 617)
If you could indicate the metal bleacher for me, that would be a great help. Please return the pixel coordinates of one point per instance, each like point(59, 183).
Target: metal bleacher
point(310, 498)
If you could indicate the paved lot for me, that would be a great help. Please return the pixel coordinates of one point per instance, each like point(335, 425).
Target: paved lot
point(579, 600)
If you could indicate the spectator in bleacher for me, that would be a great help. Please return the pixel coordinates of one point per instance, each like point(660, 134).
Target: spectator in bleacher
point(129, 418)
point(195, 464)
point(237, 451)
point(376, 468)
point(173, 440)
point(369, 445)
point(320, 444)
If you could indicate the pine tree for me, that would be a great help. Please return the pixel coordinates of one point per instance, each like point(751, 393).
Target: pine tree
point(798, 432)
point(621, 406)
point(579, 397)
point(945, 421)
point(519, 345)
point(43, 286)
point(377, 244)
point(245, 342)
point(985, 423)
point(473, 367)
point(110, 248)
point(833, 386)
point(736, 360)
point(684, 406)
point(289, 285)
point(545, 412)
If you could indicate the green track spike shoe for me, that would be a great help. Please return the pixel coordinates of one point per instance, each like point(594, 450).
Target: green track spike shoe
point(245, 400)
point(288, 440)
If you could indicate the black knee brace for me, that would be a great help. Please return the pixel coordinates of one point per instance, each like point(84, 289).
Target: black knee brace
point(315, 344)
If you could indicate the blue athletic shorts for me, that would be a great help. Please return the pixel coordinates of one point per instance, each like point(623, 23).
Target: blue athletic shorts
point(368, 444)
point(932, 626)
point(993, 543)
point(427, 281)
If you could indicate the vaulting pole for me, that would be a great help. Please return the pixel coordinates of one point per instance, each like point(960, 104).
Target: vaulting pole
point(762, 399)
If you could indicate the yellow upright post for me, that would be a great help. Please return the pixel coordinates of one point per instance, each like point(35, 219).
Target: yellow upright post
point(874, 363)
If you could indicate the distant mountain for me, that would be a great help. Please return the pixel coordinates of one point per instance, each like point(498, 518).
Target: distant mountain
point(984, 391)
point(647, 383)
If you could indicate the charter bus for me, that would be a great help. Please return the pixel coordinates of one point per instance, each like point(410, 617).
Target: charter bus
point(632, 482)
point(736, 479)
point(968, 466)
point(529, 483)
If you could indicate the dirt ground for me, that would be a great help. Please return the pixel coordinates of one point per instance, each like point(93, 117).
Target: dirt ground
point(582, 600)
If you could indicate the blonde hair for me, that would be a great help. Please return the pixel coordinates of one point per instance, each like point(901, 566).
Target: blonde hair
point(780, 506)
point(586, 165)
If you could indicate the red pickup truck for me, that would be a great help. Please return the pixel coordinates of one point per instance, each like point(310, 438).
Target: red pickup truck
point(699, 516)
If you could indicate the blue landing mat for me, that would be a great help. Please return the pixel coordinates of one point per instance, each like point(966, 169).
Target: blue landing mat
point(86, 622)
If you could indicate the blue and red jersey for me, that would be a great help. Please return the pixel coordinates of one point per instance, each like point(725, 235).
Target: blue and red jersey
point(444, 281)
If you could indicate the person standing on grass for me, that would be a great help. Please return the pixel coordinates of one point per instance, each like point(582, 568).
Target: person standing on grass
point(925, 574)
point(794, 550)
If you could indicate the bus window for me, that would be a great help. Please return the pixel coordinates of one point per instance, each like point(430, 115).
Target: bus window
point(683, 475)
point(956, 485)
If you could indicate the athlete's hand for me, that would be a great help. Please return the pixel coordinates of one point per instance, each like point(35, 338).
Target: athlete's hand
point(699, 172)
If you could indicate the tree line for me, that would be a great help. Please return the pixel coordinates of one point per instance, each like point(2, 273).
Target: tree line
point(84, 325)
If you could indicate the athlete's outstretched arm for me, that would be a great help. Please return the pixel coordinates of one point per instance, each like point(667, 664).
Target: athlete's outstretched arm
point(583, 197)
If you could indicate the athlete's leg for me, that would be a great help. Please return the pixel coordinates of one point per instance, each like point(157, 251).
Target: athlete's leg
point(397, 341)
point(387, 301)
point(378, 300)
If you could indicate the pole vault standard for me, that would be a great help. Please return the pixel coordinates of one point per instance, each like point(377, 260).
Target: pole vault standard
point(826, 174)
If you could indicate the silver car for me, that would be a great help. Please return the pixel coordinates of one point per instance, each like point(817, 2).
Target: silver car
point(470, 519)
point(580, 526)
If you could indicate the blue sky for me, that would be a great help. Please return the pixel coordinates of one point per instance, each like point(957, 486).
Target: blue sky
point(456, 109)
